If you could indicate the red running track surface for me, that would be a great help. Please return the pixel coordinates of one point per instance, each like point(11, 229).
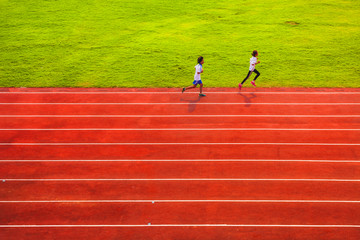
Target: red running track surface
point(158, 164)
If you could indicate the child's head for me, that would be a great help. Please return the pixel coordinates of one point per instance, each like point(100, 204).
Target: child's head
point(201, 60)
point(255, 53)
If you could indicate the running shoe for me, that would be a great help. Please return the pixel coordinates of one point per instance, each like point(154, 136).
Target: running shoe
point(183, 90)
point(253, 83)
point(240, 85)
point(202, 95)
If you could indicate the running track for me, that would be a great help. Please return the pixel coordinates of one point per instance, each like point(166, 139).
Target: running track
point(158, 164)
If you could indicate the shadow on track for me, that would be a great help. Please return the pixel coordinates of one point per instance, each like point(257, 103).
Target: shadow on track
point(247, 99)
point(192, 103)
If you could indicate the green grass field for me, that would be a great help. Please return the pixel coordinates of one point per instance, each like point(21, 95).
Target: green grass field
point(155, 43)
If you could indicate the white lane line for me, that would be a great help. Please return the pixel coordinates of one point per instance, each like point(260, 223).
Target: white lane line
point(180, 129)
point(180, 179)
point(176, 116)
point(191, 93)
point(166, 144)
point(181, 201)
point(181, 225)
point(183, 103)
point(192, 129)
point(190, 160)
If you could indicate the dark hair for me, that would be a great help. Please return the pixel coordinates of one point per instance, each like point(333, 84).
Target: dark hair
point(200, 59)
point(254, 53)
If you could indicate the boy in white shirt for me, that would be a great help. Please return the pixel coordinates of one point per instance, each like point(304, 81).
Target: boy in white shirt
point(253, 63)
point(197, 77)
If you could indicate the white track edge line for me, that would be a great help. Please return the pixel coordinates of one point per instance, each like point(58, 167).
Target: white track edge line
point(188, 93)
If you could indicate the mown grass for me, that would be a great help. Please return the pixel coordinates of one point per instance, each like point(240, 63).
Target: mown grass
point(155, 43)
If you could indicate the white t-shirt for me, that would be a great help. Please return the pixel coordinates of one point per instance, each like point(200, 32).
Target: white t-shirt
point(198, 68)
point(253, 60)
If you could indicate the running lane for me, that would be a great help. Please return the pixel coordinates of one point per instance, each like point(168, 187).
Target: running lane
point(180, 136)
point(180, 189)
point(179, 213)
point(183, 121)
point(153, 169)
point(179, 109)
point(296, 151)
point(177, 97)
point(188, 232)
